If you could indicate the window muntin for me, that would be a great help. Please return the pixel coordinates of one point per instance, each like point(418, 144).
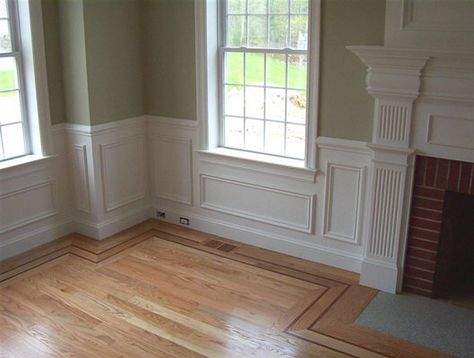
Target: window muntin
point(264, 56)
point(13, 127)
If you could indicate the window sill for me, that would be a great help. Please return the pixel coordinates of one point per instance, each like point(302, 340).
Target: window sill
point(261, 163)
point(22, 161)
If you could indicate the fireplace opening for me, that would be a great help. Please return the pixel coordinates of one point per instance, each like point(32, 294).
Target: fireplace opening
point(454, 271)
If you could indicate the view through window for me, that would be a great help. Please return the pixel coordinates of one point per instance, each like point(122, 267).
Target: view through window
point(265, 69)
point(13, 130)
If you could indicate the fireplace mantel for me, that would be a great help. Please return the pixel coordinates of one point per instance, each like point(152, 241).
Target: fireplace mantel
point(424, 104)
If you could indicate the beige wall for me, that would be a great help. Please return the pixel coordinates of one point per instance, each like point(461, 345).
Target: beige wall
point(345, 108)
point(145, 62)
point(169, 58)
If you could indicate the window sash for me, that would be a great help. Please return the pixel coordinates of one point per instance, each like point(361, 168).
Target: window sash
point(15, 53)
point(223, 50)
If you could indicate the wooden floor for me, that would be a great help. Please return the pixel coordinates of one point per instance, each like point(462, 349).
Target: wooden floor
point(158, 290)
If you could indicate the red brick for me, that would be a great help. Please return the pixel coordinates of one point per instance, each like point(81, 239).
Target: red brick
point(423, 244)
point(423, 264)
point(423, 234)
point(430, 175)
point(414, 282)
point(431, 193)
point(464, 184)
point(427, 204)
point(414, 272)
point(420, 170)
point(421, 254)
point(442, 177)
point(454, 174)
point(426, 224)
point(427, 214)
point(418, 291)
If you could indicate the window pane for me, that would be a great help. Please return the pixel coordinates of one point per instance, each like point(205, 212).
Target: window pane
point(255, 64)
point(10, 109)
point(299, 6)
point(234, 68)
point(295, 140)
point(3, 8)
point(274, 138)
point(278, 6)
point(257, 31)
point(8, 79)
point(275, 104)
point(5, 39)
point(236, 6)
point(234, 100)
point(13, 140)
point(234, 132)
point(236, 31)
point(299, 32)
point(254, 102)
point(296, 106)
point(278, 31)
point(276, 70)
point(257, 6)
point(297, 74)
point(254, 134)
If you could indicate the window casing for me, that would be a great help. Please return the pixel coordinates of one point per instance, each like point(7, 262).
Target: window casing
point(14, 133)
point(264, 76)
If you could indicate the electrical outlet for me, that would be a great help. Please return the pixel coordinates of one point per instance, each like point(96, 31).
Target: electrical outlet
point(160, 214)
point(184, 221)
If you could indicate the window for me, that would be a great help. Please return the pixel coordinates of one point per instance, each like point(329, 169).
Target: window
point(13, 124)
point(264, 76)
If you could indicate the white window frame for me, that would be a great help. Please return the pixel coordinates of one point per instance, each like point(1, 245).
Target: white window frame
point(34, 84)
point(207, 14)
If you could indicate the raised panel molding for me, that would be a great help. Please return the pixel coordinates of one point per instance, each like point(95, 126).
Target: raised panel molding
point(262, 204)
point(81, 178)
point(172, 177)
point(26, 206)
point(436, 15)
point(123, 172)
point(450, 131)
point(344, 194)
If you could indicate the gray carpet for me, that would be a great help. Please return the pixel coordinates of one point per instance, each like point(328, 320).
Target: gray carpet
point(431, 323)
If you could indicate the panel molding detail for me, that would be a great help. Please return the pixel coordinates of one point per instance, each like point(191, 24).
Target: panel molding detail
point(123, 172)
point(339, 207)
point(450, 131)
point(47, 198)
point(393, 123)
point(172, 178)
point(259, 198)
point(81, 178)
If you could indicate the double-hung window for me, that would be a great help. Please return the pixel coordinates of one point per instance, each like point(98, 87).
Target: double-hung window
point(264, 76)
point(13, 125)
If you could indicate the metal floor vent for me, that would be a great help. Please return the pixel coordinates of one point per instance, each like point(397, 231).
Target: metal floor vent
point(219, 245)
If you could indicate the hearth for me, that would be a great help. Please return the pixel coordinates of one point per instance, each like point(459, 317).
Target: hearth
point(440, 248)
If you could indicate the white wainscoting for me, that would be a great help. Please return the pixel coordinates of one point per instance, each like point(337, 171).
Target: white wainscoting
point(80, 174)
point(255, 202)
point(343, 200)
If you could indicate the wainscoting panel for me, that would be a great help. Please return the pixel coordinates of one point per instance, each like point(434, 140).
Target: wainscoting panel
point(277, 207)
point(343, 202)
point(81, 178)
point(172, 169)
point(26, 206)
point(123, 172)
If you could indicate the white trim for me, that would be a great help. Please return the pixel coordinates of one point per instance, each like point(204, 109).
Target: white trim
point(99, 129)
point(310, 200)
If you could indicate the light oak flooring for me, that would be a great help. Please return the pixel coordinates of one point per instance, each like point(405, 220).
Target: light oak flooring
point(159, 290)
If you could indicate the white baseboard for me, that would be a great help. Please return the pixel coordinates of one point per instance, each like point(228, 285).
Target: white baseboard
point(379, 275)
point(35, 238)
point(102, 230)
point(270, 241)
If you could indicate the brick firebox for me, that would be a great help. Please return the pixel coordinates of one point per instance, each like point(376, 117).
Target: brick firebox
point(433, 177)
